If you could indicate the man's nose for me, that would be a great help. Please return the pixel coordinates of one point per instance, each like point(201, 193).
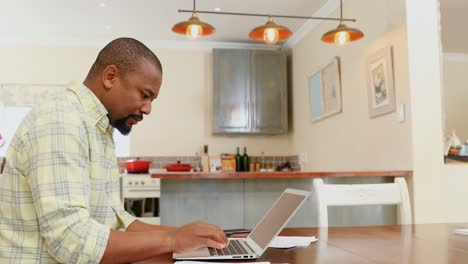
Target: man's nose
point(146, 108)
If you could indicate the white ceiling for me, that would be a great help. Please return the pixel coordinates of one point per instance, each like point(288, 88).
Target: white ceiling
point(97, 21)
point(454, 31)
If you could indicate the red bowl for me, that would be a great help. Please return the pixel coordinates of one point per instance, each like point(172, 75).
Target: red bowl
point(137, 166)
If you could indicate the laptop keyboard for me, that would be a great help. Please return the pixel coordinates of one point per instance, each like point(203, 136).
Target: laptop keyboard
point(235, 248)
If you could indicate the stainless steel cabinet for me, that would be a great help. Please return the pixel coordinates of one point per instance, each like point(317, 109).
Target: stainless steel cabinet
point(269, 92)
point(231, 109)
point(250, 91)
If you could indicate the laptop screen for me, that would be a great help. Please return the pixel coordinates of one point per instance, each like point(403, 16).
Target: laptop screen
point(275, 218)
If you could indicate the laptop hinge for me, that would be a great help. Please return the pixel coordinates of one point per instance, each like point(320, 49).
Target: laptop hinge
point(250, 248)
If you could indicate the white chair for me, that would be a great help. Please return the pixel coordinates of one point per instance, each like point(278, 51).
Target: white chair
point(362, 194)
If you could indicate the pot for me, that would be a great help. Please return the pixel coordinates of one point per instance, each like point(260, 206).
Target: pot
point(179, 167)
point(137, 166)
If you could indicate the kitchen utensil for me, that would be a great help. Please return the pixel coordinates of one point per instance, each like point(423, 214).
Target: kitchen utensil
point(137, 166)
point(179, 167)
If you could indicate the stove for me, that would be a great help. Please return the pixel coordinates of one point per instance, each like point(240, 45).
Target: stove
point(140, 195)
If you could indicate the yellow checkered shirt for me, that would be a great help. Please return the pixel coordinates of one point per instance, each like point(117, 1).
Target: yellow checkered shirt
point(59, 192)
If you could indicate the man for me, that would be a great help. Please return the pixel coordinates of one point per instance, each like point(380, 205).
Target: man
point(59, 194)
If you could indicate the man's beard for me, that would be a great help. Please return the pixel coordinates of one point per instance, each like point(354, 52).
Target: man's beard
point(120, 124)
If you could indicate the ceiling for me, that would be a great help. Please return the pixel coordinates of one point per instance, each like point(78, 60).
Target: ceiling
point(95, 22)
point(98, 21)
point(453, 26)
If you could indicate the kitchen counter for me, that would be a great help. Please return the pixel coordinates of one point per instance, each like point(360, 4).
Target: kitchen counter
point(277, 175)
point(456, 159)
point(239, 200)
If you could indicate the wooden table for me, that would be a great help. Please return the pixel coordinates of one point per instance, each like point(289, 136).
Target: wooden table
point(421, 244)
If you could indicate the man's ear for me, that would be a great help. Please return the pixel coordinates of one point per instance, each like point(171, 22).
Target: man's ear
point(109, 76)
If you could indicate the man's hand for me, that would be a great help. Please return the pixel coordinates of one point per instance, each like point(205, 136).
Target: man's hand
point(196, 235)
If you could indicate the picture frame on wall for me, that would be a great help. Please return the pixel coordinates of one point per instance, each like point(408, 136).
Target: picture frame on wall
point(325, 91)
point(380, 83)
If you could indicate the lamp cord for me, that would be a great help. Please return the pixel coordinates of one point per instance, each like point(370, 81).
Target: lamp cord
point(265, 15)
point(341, 10)
point(194, 6)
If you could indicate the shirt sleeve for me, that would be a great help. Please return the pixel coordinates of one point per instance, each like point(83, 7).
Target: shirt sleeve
point(58, 169)
point(124, 217)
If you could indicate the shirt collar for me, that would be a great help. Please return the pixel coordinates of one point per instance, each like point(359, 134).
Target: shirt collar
point(91, 104)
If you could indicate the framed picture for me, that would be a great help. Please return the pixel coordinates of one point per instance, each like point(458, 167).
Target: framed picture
point(380, 85)
point(325, 91)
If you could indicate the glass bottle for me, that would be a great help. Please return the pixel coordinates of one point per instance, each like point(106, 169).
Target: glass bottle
point(238, 161)
point(205, 159)
point(263, 162)
point(245, 160)
point(197, 162)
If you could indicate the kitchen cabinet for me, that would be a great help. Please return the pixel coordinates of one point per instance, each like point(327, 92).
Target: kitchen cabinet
point(250, 91)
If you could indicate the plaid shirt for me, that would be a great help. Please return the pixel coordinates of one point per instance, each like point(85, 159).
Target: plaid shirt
point(59, 193)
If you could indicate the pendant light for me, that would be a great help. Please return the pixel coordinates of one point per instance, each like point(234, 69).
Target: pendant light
point(270, 33)
point(194, 27)
point(342, 35)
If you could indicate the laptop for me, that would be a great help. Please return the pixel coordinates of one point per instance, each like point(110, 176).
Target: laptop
point(259, 239)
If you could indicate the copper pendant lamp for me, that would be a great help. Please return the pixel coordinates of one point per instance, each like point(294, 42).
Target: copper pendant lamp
point(270, 33)
point(342, 35)
point(194, 27)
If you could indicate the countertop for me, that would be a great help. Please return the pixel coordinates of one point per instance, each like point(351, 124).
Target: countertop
point(277, 175)
point(456, 159)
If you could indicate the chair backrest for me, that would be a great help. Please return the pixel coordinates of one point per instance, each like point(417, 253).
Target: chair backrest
point(362, 194)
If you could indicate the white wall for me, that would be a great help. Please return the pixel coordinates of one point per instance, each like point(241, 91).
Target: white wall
point(352, 140)
point(455, 86)
point(25, 64)
point(439, 190)
point(181, 119)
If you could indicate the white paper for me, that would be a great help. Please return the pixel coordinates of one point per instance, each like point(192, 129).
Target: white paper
point(462, 231)
point(211, 262)
point(292, 241)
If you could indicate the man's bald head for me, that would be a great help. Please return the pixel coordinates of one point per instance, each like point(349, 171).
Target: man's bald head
point(125, 54)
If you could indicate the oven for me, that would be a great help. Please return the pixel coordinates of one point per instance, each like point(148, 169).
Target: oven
point(140, 195)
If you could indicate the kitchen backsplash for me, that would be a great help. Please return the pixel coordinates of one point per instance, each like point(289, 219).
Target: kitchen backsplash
point(12, 94)
point(161, 162)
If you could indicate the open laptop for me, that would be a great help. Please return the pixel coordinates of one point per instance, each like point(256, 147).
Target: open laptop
point(261, 236)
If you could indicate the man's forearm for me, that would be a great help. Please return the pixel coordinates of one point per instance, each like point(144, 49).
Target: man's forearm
point(142, 241)
point(139, 226)
point(127, 247)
